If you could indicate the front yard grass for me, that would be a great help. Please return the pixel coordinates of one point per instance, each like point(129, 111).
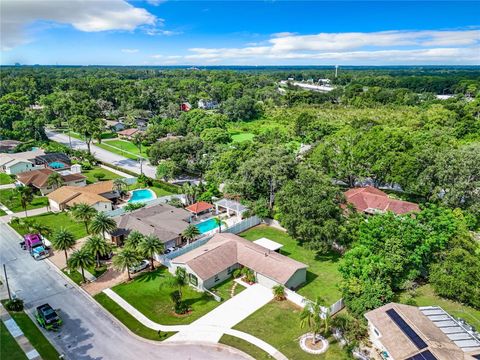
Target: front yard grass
point(224, 289)
point(54, 221)
point(11, 200)
point(6, 179)
point(278, 323)
point(91, 178)
point(426, 297)
point(322, 271)
point(35, 336)
point(9, 349)
point(128, 320)
point(150, 293)
point(126, 145)
point(245, 346)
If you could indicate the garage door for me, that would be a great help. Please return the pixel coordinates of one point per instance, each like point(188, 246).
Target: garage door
point(265, 281)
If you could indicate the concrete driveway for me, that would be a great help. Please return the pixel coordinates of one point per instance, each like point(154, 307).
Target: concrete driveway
point(89, 332)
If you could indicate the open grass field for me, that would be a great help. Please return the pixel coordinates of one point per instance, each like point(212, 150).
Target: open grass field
point(322, 272)
point(129, 321)
point(11, 200)
point(99, 170)
point(278, 323)
point(9, 349)
point(6, 179)
point(426, 297)
point(127, 146)
point(55, 221)
point(150, 294)
point(35, 336)
point(242, 136)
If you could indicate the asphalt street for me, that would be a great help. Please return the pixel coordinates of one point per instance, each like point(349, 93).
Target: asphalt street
point(89, 332)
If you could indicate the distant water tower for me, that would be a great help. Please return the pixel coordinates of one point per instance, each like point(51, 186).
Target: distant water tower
point(336, 70)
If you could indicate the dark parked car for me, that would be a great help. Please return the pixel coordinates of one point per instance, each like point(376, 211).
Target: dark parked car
point(48, 318)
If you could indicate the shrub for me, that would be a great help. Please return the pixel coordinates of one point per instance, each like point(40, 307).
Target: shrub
point(86, 165)
point(14, 305)
point(133, 206)
point(279, 292)
point(98, 175)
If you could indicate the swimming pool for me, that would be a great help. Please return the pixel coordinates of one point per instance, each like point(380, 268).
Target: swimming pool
point(56, 165)
point(142, 195)
point(207, 225)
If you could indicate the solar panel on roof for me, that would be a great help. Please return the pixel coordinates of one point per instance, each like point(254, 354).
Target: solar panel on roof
point(407, 330)
point(424, 355)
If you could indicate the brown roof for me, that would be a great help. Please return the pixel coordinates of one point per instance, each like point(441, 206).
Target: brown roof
point(199, 207)
point(225, 250)
point(399, 345)
point(39, 178)
point(90, 194)
point(370, 200)
point(128, 132)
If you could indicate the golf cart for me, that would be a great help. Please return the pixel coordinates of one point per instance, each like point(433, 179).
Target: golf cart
point(48, 318)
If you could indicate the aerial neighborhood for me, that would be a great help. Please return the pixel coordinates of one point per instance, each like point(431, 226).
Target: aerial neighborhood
point(319, 199)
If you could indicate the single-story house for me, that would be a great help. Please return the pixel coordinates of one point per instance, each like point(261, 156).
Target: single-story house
point(114, 126)
point(371, 200)
point(8, 146)
point(141, 123)
point(215, 261)
point(38, 179)
point(164, 221)
point(55, 161)
point(404, 332)
point(129, 133)
point(199, 208)
point(100, 195)
point(16, 163)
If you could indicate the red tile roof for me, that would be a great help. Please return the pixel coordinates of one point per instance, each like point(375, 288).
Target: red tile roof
point(370, 200)
point(199, 207)
point(128, 132)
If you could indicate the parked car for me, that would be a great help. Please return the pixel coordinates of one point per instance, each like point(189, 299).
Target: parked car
point(48, 318)
point(139, 267)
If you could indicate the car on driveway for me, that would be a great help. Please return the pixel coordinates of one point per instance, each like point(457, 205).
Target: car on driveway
point(47, 317)
point(139, 267)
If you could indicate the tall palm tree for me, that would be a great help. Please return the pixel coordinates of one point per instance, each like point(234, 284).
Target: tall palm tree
point(26, 196)
point(63, 240)
point(311, 318)
point(125, 259)
point(190, 233)
point(119, 184)
point(134, 239)
point(97, 246)
point(150, 246)
point(190, 192)
point(219, 222)
point(81, 259)
point(102, 224)
point(55, 180)
point(39, 228)
point(83, 212)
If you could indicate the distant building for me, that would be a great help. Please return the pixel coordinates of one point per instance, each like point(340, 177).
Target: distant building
point(129, 133)
point(38, 179)
point(372, 201)
point(207, 104)
point(141, 123)
point(114, 126)
point(16, 163)
point(185, 106)
point(8, 146)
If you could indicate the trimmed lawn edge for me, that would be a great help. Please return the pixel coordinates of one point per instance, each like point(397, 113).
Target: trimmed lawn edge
point(242, 345)
point(9, 346)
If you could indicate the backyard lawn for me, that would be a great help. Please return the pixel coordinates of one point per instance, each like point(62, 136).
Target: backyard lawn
point(9, 349)
point(35, 336)
point(91, 178)
point(129, 321)
point(322, 271)
point(241, 136)
point(426, 297)
point(11, 200)
point(278, 323)
point(5, 179)
point(150, 294)
point(55, 221)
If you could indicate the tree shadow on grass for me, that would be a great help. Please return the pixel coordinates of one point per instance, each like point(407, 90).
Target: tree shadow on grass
point(331, 256)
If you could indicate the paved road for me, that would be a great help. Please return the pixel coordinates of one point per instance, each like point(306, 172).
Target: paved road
point(104, 155)
point(88, 333)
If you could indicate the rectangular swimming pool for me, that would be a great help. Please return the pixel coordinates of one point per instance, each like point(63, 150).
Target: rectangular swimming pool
point(206, 226)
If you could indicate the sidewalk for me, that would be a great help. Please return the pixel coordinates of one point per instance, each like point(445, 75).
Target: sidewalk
point(21, 214)
point(7, 186)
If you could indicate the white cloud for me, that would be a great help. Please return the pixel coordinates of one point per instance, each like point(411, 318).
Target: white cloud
point(154, 31)
point(155, 2)
point(130, 51)
point(84, 15)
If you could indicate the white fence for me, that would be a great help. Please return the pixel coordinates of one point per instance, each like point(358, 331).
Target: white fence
point(301, 301)
point(243, 225)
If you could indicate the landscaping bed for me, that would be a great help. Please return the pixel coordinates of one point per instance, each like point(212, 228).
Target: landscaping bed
point(322, 271)
point(11, 200)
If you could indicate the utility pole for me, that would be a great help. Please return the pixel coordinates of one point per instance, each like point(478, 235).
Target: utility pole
point(6, 282)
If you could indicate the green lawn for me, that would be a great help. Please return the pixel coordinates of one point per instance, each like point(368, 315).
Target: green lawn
point(278, 324)
point(241, 136)
point(150, 294)
point(9, 349)
point(245, 346)
point(55, 221)
point(6, 179)
point(129, 321)
point(224, 289)
point(11, 200)
point(35, 336)
point(322, 272)
point(91, 179)
point(126, 145)
point(426, 297)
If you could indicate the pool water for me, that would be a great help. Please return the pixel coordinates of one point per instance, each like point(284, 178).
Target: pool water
point(206, 226)
point(56, 165)
point(142, 195)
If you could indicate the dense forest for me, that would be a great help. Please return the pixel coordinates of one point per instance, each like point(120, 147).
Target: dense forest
point(383, 127)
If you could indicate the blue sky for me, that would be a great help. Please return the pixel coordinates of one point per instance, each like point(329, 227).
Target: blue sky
point(153, 32)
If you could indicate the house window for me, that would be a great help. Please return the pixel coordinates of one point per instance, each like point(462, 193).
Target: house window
point(216, 278)
point(193, 279)
point(376, 332)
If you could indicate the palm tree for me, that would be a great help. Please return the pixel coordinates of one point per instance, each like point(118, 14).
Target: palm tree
point(97, 246)
point(190, 233)
point(125, 259)
point(81, 259)
point(219, 222)
point(41, 229)
point(311, 318)
point(134, 239)
point(102, 224)
point(190, 192)
point(63, 240)
point(55, 180)
point(180, 280)
point(26, 196)
point(119, 184)
point(150, 246)
point(279, 292)
point(83, 212)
